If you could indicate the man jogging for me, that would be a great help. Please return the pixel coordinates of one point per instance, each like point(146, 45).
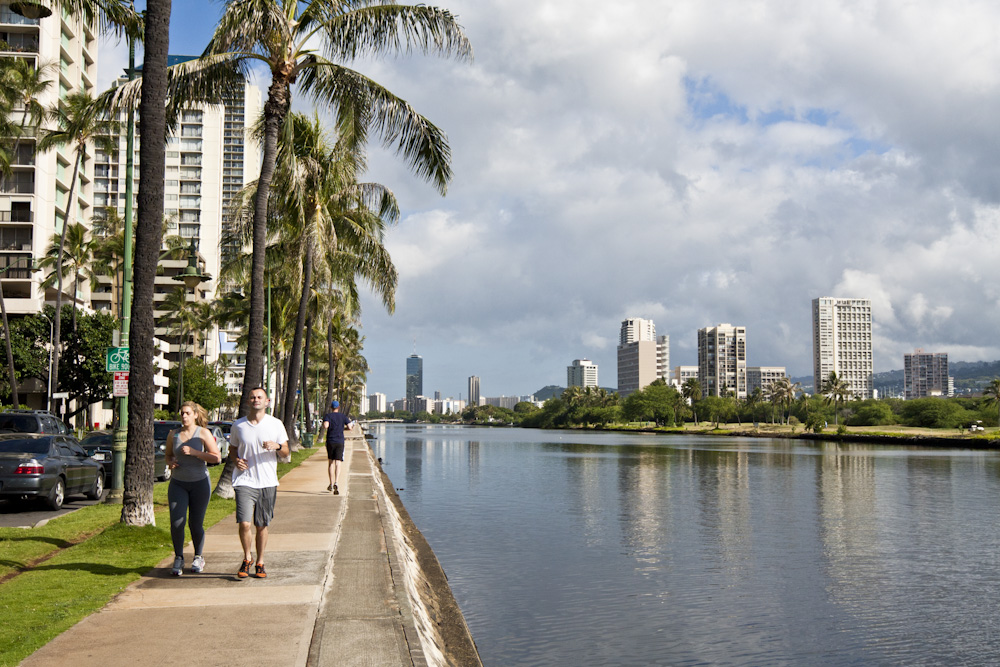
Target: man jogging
point(334, 422)
point(256, 441)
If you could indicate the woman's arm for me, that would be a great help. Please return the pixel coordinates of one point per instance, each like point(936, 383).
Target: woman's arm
point(211, 454)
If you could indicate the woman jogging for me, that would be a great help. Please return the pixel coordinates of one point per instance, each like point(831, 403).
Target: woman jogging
point(189, 451)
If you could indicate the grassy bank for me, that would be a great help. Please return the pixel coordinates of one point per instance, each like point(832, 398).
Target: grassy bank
point(72, 566)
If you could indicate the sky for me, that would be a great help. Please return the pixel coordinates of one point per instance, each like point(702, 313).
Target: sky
point(693, 162)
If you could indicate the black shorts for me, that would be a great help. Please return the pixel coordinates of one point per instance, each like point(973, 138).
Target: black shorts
point(335, 451)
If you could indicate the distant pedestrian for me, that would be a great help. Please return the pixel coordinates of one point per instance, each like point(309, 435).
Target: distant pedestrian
point(189, 450)
point(335, 422)
point(256, 441)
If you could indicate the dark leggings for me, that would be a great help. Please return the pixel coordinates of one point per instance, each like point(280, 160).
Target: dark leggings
point(184, 495)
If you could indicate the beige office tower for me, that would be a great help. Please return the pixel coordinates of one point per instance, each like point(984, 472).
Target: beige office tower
point(34, 194)
point(641, 356)
point(722, 360)
point(842, 343)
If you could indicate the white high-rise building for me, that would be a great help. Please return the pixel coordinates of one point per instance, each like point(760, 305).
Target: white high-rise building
point(842, 343)
point(377, 402)
point(762, 377)
point(208, 159)
point(582, 373)
point(722, 360)
point(642, 358)
point(33, 196)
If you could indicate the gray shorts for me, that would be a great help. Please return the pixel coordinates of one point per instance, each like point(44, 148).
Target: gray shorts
point(257, 504)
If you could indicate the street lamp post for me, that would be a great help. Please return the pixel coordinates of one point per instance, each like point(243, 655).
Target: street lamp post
point(15, 399)
point(191, 276)
point(118, 445)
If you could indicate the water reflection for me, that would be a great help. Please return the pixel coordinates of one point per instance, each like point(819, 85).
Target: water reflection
point(598, 549)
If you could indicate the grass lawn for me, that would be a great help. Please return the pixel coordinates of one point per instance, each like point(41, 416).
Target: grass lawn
point(93, 558)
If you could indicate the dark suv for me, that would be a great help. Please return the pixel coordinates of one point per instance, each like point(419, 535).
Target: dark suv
point(31, 421)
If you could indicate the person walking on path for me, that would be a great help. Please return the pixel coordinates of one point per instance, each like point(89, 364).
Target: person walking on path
point(335, 422)
point(256, 441)
point(189, 450)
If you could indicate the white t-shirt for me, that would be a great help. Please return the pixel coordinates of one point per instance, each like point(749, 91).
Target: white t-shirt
point(249, 440)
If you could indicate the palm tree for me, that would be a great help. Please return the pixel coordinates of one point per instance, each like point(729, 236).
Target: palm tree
point(837, 390)
point(77, 252)
point(78, 123)
point(782, 393)
point(283, 36)
point(572, 395)
point(992, 394)
point(691, 390)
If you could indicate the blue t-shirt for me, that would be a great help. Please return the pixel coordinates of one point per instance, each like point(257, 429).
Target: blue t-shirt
point(335, 432)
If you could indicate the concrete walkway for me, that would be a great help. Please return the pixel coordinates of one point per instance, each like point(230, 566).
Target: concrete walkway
point(334, 595)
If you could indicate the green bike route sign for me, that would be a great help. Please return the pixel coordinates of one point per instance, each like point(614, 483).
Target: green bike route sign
point(117, 360)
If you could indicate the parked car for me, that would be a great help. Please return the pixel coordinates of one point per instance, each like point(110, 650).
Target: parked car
point(50, 467)
point(98, 444)
point(31, 421)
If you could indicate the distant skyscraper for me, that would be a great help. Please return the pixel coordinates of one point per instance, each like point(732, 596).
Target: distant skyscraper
point(640, 355)
point(722, 360)
point(473, 390)
point(925, 374)
point(414, 379)
point(842, 343)
point(582, 373)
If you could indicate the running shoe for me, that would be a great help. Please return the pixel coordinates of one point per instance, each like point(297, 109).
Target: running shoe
point(198, 564)
point(178, 568)
point(244, 570)
point(330, 488)
point(335, 491)
point(260, 573)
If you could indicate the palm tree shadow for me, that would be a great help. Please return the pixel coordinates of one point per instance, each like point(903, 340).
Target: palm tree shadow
point(101, 569)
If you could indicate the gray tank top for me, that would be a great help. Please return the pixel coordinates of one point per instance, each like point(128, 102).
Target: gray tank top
point(189, 468)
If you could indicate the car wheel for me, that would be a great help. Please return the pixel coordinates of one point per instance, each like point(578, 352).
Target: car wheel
point(57, 495)
point(166, 474)
point(98, 488)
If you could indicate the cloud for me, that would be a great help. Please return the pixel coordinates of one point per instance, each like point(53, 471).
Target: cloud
point(694, 162)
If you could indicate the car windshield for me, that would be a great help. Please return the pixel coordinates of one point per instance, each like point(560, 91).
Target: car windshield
point(18, 423)
point(25, 445)
point(162, 429)
point(97, 440)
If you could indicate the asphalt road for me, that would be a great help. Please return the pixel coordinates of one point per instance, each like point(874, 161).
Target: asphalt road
point(27, 514)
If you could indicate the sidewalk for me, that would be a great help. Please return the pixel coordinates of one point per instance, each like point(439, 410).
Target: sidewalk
point(333, 596)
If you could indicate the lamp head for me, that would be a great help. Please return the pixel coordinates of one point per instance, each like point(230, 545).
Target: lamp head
point(30, 9)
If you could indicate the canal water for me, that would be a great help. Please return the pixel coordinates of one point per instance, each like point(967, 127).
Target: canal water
point(568, 548)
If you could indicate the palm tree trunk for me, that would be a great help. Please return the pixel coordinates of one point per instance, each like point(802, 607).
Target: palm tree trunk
point(305, 374)
point(296, 353)
point(57, 324)
point(330, 360)
point(137, 501)
point(15, 399)
point(274, 113)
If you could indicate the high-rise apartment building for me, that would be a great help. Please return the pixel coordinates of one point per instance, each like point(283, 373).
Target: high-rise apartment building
point(414, 379)
point(842, 343)
point(376, 402)
point(208, 159)
point(34, 194)
point(722, 360)
point(925, 374)
point(641, 356)
point(581, 373)
point(473, 390)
